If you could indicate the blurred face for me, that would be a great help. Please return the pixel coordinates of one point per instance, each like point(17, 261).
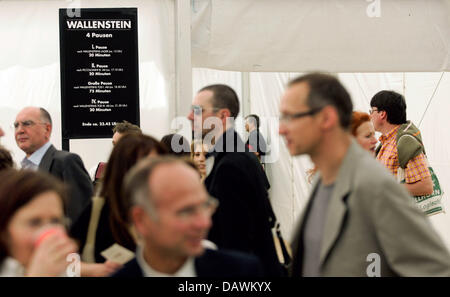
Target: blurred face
point(302, 134)
point(365, 135)
point(376, 117)
point(30, 131)
point(116, 137)
point(202, 109)
point(44, 210)
point(183, 213)
point(249, 125)
point(200, 158)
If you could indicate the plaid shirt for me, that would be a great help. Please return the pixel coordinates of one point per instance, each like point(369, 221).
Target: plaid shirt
point(416, 169)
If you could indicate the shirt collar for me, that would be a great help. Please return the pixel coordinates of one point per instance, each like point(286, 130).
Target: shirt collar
point(225, 144)
point(37, 156)
point(389, 136)
point(12, 268)
point(187, 270)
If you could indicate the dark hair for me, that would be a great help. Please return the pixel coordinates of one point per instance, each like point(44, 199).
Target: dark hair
point(45, 115)
point(224, 97)
point(6, 160)
point(126, 127)
point(181, 148)
point(127, 152)
point(17, 189)
point(325, 89)
point(254, 119)
point(393, 104)
point(358, 118)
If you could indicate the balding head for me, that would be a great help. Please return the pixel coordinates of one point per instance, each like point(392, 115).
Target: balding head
point(170, 207)
point(33, 128)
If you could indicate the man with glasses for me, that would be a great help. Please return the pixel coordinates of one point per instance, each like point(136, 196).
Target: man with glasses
point(244, 219)
point(33, 127)
point(358, 220)
point(401, 150)
point(171, 211)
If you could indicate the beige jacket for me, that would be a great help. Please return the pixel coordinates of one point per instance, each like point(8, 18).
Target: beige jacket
point(370, 212)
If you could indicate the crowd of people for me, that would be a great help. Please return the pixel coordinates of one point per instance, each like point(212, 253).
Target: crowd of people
point(201, 207)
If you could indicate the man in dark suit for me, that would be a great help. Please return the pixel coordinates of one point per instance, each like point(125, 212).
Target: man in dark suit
point(255, 142)
point(33, 127)
point(235, 178)
point(171, 212)
point(359, 221)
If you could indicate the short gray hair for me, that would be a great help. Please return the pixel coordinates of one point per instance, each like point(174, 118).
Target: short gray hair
point(45, 116)
point(136, 189)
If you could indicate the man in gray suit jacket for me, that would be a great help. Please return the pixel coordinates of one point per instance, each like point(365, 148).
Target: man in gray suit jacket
point(33, 127)
point(358, 221)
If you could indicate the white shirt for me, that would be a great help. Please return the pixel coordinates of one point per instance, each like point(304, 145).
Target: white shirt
point(35, 159)
point(187, 270)
point(10, 267)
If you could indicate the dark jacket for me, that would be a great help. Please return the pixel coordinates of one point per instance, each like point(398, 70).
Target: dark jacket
point(211, 263)
point(69, 168)
point(256, 142)
point(242, 220)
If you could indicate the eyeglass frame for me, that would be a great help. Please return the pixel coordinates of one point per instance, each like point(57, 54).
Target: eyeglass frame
point(188, 213)
point(195, 108)
point(286, 118)
point(25, 124)
point(371, 111)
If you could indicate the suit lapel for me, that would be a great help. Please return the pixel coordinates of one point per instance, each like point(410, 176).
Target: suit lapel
point(337, 209)
point(47, 159)
point(297, 243)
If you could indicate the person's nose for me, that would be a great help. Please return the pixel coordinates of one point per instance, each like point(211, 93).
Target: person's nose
point(202, 220)
point(191, 116)
point(282, 129)
point(19, 129)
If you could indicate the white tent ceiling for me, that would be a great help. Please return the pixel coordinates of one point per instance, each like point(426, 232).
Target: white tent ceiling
point(336, 35)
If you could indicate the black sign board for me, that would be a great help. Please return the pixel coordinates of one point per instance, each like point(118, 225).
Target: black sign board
point(99, 70)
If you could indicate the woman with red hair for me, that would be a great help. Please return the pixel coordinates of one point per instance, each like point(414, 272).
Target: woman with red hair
point(363, 130)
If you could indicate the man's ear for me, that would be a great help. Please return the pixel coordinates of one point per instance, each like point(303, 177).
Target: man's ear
point(224, 113)
point(48, 130)
point(329, 117)
point(383, 115)
point(139, 217)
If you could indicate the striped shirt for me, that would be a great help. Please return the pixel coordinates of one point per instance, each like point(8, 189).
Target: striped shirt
point(416, 169)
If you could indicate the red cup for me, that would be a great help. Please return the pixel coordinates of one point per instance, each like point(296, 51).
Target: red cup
point(46, 232)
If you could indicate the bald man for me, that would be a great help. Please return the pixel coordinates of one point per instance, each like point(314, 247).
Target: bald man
point(33, 127)
point(171, 211)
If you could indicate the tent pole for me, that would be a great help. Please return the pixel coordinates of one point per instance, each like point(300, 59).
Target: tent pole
point(183, 67)
point(245, 82)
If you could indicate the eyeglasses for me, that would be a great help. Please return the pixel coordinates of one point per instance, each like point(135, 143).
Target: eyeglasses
point(286, 118)
point(26, 124)
point(208, 207)
point(373, 110)
point(198, 109)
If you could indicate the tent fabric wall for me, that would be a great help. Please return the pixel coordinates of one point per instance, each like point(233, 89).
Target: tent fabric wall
point(340, 36)
point(30, 74)
point(290, 187)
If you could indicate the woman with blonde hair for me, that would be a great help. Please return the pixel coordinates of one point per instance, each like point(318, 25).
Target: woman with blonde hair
point(198, 156)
